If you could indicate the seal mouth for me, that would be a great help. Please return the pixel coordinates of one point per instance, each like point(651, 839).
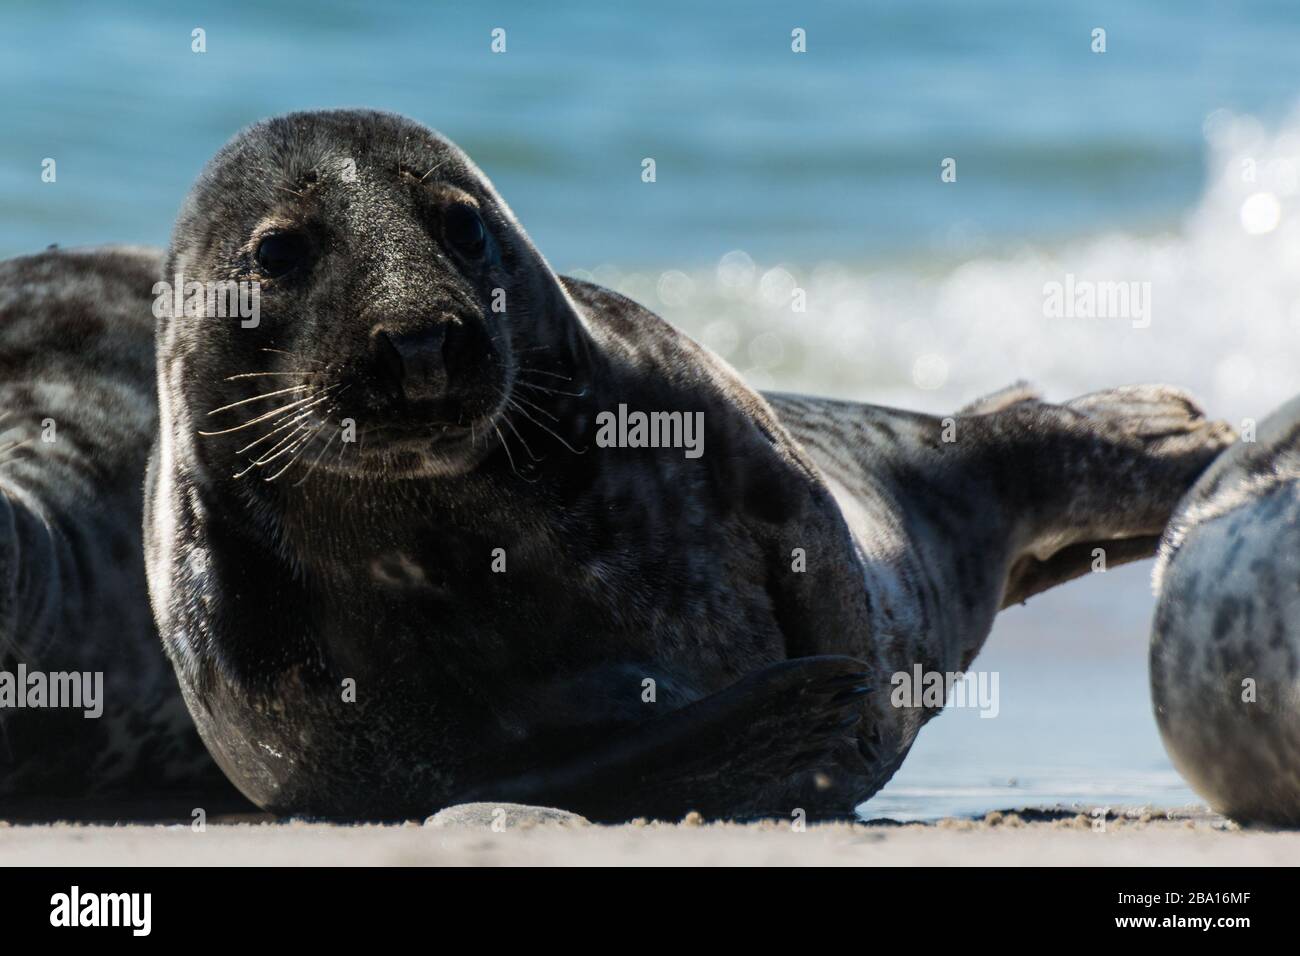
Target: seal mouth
point(413, 438)
point(441, 437)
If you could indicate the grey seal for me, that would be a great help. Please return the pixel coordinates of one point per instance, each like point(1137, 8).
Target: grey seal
point(395, 571)
point(89, 707)
point(1225, 644)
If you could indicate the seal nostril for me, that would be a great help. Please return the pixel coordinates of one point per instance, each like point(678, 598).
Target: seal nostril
point(453, 346)
point(387, 360)
point(411, 363)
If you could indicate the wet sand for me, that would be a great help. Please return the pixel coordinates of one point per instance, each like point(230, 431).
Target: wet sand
point(529, 837)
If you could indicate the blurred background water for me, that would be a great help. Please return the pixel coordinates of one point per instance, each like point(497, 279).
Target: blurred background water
point(1172, 158)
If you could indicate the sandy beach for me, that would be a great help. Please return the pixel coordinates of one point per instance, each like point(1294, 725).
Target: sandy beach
point(465, 837)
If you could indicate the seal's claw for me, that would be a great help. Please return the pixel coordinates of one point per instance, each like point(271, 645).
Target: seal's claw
point(843, 680)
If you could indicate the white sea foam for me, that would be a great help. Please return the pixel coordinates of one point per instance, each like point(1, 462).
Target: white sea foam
point(1224, 304)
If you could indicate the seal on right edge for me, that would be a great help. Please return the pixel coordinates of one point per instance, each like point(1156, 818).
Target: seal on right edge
point(1225, 647)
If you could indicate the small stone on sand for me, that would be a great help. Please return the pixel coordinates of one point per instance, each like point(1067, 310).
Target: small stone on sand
point(503, 816)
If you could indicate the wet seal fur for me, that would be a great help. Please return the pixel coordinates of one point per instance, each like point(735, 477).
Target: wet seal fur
point(77, 400)
point(1225, 645)
point(650, 644)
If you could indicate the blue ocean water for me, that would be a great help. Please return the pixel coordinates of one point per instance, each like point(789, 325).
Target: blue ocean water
point(1170, 158)
point(834, 152)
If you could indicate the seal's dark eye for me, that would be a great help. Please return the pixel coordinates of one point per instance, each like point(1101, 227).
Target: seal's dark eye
point(464, 230)
point(282, 252)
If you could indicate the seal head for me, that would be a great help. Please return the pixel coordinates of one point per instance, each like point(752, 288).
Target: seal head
point(386, 266)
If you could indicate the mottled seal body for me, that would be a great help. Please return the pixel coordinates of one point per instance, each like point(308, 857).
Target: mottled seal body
point(77, 400)
point(395, 571)
point(1225, 646)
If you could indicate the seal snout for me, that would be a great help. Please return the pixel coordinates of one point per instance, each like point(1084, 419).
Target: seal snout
point(410, 364)
point(440, 370)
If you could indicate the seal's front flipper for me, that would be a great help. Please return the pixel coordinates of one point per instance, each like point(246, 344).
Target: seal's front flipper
point(1105, 473)
point(785, 719)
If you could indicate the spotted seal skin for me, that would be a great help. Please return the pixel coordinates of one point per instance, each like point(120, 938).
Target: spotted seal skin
point(77, 400)
point(1225, 646)
point(346, 635)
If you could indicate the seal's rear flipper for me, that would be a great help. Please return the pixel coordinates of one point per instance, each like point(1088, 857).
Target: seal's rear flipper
point(999, 401)
point(1107, 470)
point(1031, 489)
point(785, 719)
